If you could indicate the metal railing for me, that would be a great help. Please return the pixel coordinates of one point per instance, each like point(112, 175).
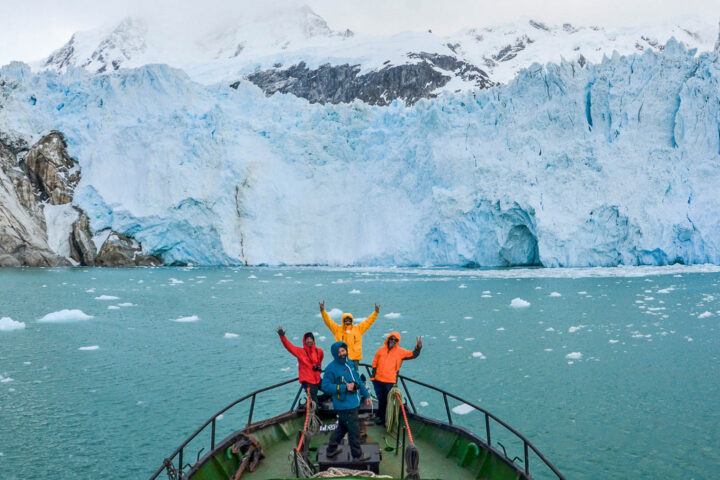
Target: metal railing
point(169, 463)
point(527, 445)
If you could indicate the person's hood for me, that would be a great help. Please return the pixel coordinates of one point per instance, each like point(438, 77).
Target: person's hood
point(309, 349)
point(334, 350)
point(396, 335)
point(347, 315)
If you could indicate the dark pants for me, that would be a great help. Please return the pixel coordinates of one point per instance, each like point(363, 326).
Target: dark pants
point(381, 392)
point(313, 391)
point(347, 423)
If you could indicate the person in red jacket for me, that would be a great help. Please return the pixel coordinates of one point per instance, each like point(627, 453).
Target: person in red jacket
point(309, 359)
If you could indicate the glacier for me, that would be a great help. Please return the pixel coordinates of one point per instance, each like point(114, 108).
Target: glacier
point(614, 163)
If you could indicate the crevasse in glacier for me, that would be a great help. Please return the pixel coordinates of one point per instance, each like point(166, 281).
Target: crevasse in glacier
point(614, 163)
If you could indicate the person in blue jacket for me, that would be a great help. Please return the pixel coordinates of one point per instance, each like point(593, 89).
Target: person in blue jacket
point(342, 382)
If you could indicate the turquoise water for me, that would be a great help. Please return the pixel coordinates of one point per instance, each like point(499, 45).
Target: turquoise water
point(642, 399)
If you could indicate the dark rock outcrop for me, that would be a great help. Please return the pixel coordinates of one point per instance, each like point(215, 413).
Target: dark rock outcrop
point(82, 247)
point(123, 251)
point(48, 175)
point(343, 83)
point(51, 170)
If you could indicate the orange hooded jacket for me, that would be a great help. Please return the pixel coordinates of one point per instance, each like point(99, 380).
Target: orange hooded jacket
point(351, 335)
point(387, 362)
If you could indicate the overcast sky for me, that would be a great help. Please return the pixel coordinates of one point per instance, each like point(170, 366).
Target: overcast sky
point(31, 29)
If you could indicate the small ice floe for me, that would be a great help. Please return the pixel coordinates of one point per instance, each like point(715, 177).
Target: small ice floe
point(582, 293)
point(485, 295)
point(501, 329)
point(574, 356)
point(463, 409)
point(278, 275)
point(424, 404)
point(113, 307)
point(689, 339)
point(575, 329)
point(64, 316)
point(486, 292)
point(335, 313)
point(107, 297)
point(5, 379)
point(705, 314)
point(91, 347)
point(462, 285)
point(666, 290)
point(7, 324)
point(354, 291)
point(192, 318)
point(220, 417)
point(252, 276)
point(175, 281)
point(479, 355)
point(538, 288)
point(230, 335)
point(27, 363)
point(392, 315)
point(285, 369)
point(519, 303)
point(90, 290)
point(555, 294)
point(548, 349)
point(550, 329)
point(470, 339)
point(613, 341)
point(126, 304)
point(224, 280)
point(467, 318)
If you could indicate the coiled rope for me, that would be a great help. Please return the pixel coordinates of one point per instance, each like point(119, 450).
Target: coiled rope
point(299, 461)
point(412, 456)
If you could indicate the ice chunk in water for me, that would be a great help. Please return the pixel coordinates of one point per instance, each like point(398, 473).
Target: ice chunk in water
point(463, 409)
point(574, 356)
point(479, 355)
point(192, 318)
point(231, 335)
point(107, 297)
point(91, 347)
point(354, 291)
point(519, 303)
point(555, 294)
point(392, 315)
point(63, 316)
point(705, 314)
point(8, 324)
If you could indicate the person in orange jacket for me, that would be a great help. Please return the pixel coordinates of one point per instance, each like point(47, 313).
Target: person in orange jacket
point(349, 332)
point(386, 365)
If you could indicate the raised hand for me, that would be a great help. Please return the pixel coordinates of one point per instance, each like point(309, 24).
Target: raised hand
point(377, 308)
point(280, 331)
point(419, 342)
point(322, 305)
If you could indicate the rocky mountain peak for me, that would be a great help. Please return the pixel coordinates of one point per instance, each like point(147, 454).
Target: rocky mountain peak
point(51, 170)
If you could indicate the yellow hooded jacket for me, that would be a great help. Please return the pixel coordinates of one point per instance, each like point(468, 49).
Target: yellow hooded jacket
point(351, 335)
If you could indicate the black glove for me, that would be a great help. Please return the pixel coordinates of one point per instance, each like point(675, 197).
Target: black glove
point(317, 368)
point(281, 332)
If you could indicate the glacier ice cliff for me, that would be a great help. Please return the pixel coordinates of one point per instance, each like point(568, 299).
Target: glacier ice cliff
point(567, 165)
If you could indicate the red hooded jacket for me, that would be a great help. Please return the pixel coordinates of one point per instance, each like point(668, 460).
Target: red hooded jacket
point(307, 357)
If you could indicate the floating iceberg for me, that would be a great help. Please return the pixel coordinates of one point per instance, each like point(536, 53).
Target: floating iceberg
point(65, 316)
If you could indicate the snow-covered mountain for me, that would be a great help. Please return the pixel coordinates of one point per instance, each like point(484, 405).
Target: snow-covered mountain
point(293, 50)
point(492, 159)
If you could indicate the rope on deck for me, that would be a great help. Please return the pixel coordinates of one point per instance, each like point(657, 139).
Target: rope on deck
point(412, 456)
point(336, 472)
point(299, 461)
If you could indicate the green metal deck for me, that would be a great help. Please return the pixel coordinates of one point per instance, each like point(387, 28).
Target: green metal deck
point(443, 454)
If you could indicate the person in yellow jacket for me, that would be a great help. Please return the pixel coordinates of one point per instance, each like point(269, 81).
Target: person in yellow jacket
point(348, 331)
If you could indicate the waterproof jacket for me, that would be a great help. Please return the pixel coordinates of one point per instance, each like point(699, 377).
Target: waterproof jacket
point(307, 358)
point(337, 375)
point(387, 362)
point(351, 335)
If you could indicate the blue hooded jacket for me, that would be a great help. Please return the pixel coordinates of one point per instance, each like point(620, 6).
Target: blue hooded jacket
point(337, 374)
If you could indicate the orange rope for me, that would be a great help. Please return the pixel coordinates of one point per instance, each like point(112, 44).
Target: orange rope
point(307, 416)
point(407, 425)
